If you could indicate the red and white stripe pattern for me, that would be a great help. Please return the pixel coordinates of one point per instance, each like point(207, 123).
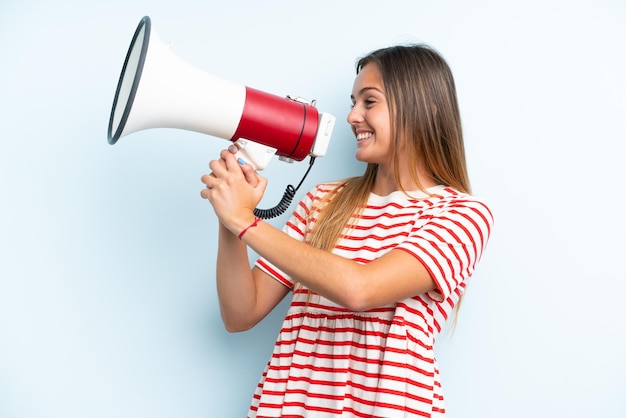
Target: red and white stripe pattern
point(330, 361)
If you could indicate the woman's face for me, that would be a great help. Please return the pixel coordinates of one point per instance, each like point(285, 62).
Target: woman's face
point(369, 117)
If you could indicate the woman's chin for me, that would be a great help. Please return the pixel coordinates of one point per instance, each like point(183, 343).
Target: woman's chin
point(363, 158)
point(360, 157)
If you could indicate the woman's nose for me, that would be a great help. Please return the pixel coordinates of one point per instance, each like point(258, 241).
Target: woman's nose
point(354, 115)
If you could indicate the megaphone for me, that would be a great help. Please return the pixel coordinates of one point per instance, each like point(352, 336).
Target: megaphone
point(156, 89)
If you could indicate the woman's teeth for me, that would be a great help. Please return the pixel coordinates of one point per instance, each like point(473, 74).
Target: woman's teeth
point(363, 135)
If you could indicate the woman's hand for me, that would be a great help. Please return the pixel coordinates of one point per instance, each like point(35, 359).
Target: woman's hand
point(234, 189)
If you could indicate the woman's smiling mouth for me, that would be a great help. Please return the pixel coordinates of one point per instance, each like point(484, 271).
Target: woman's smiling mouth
point(363, 135)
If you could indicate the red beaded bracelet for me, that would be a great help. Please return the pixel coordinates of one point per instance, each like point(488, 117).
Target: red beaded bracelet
point(256, 221)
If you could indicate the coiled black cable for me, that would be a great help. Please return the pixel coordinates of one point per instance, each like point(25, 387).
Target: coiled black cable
point(285, 201)
point(280, 208)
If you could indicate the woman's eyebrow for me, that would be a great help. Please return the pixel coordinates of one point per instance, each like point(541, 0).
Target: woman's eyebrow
point(366, 89)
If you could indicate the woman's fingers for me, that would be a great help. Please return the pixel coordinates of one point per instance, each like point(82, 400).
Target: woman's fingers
point(231, 171)
point(248, 171)
point(251, 176)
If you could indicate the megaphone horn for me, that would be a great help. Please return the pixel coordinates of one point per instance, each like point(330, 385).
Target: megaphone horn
point(156, 89)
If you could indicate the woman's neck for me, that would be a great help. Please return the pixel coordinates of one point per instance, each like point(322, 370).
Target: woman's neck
point(387, 183)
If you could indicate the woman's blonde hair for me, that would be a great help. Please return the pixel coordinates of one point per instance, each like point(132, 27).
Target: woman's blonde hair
point(425, 118)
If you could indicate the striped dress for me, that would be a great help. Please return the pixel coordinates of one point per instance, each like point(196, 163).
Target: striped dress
point(330, 361)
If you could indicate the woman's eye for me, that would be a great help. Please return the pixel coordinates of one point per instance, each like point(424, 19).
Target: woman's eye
point(365, 102)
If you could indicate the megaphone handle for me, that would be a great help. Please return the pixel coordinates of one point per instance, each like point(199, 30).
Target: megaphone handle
point(253, 153)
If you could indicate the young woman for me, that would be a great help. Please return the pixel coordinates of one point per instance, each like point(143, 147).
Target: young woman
point(375, 263)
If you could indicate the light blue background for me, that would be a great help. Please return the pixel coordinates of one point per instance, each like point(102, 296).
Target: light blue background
point(107, 254)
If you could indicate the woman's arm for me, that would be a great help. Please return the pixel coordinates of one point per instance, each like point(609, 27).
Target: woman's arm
point(246, 296)
point(395, 276)
point(234, 193)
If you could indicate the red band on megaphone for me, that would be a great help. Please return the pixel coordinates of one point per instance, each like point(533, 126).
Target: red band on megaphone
point(277, 122)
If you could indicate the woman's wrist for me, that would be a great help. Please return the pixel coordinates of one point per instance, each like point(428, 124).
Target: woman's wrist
point(252, 224)
point(236, 222)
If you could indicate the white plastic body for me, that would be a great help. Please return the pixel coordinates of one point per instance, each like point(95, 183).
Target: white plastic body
point(325, 128)
point(253, 153)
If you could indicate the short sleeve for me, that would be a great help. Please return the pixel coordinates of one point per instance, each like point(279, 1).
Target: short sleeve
point(449, 239)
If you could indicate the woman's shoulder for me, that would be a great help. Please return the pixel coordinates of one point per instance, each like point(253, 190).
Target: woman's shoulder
point(448, 199)
point(319, 193)
point(322, 189)
point(449, 194)
point(328, 186)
